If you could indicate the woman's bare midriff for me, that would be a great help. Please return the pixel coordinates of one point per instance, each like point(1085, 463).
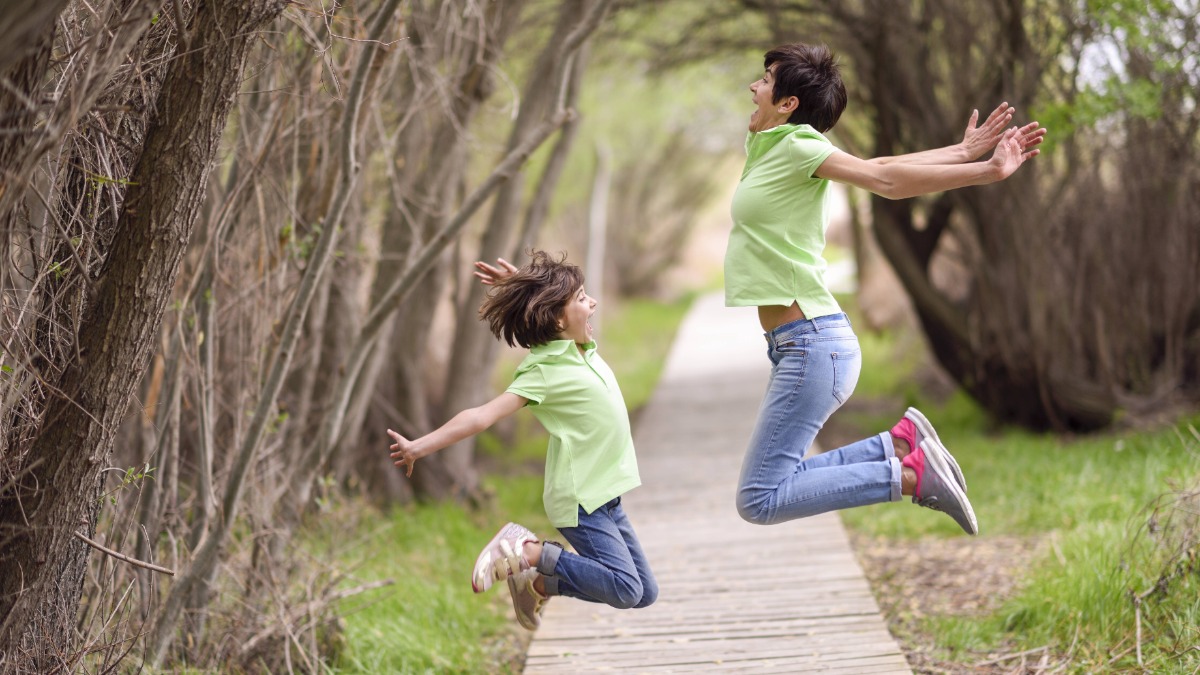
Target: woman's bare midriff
point(774, 316)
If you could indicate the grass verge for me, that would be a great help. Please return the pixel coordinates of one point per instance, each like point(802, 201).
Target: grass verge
point(1085, 501)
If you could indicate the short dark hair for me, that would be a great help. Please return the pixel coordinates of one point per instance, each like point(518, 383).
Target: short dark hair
point(811, 74)
point(524, 307)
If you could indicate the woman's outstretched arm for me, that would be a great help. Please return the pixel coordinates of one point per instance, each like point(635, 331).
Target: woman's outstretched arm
point(902, 180)
point(976, 141)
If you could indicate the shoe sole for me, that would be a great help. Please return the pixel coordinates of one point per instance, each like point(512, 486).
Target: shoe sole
point(939, 450)
point(521, 619)
point(933, 461)
point(483, 574)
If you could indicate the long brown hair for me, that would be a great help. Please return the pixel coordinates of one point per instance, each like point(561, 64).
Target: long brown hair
point(525, 307)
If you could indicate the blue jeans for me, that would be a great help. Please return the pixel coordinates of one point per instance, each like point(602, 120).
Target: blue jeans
point(608, 565)
point(815, 366)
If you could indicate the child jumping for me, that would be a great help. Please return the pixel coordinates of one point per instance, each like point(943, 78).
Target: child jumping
point(590, 460)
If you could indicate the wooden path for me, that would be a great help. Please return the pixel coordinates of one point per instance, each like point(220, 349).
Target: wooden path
point(733, 597)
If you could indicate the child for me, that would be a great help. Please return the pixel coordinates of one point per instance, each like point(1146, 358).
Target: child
point(590, 460)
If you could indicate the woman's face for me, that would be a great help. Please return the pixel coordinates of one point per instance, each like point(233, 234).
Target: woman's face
point(766, 114)
point(574, 321)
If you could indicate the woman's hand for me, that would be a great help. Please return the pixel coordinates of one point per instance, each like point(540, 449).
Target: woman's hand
point(404, 455)
point(978, 140)
point(1011, 153)
point(488, 275)
point(1030, 135)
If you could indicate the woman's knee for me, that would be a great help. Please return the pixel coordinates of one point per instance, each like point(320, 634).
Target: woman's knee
point(753, 511)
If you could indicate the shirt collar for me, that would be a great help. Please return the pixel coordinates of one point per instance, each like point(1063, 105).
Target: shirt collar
point(560, 347)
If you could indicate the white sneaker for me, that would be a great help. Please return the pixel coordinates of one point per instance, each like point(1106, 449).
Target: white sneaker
point(503, 556)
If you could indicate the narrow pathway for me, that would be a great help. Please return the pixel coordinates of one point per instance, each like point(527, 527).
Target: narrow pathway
point(734, 597)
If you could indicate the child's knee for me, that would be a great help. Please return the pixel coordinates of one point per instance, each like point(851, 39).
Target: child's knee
point(629, 594)
point(649, 594)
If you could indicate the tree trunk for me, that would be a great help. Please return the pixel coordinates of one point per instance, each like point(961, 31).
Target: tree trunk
point(25, 23)
point(421, 215)
point(39, 593)
point(18, 110)
point(475, 349)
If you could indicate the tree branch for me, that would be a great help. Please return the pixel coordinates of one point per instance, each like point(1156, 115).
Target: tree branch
point(122, 556)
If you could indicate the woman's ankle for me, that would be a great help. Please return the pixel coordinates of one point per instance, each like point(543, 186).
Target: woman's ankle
point(908, 481)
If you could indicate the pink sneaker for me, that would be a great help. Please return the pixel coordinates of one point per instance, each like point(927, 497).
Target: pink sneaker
point(528, 604)
point(917, 430)
point(937, 490)
point(501, 557)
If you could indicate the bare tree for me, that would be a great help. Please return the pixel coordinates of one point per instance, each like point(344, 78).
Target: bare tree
point(57, 494)
point(475, 349)
point(211, 342)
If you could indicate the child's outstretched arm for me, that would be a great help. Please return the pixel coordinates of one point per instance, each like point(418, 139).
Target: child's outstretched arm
point(466, 423)
point(976, 140)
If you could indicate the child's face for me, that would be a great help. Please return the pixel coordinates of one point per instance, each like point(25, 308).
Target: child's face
point(575, 315)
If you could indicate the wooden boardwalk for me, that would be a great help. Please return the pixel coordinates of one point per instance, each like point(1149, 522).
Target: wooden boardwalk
point(733, 597)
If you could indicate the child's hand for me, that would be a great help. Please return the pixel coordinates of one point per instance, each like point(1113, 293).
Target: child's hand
point(403, 455)
point(489, 275)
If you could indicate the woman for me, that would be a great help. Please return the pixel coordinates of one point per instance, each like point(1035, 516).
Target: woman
point(773, 262)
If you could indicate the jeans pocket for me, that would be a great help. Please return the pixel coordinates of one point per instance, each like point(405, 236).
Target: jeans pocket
point(847, 365)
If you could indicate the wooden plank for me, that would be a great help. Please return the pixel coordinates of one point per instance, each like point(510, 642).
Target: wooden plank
point(734, 597)
point(844, 644)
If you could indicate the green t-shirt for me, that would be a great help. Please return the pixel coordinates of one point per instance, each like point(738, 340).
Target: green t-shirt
point(780, 212)
point(590, 459)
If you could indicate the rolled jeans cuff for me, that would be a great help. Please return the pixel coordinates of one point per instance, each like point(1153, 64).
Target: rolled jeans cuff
point(889, 453)
point(547, 562)
point(889, 450)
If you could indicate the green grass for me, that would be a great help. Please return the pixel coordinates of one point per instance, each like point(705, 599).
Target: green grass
point(430, 621)
point(1086, 497)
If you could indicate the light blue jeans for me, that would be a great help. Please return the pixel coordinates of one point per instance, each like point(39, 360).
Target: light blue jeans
point(608, 565)
point(815, 366)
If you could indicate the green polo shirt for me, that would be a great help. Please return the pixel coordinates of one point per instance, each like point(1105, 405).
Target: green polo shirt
point(590, 459)
point(780, 212)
